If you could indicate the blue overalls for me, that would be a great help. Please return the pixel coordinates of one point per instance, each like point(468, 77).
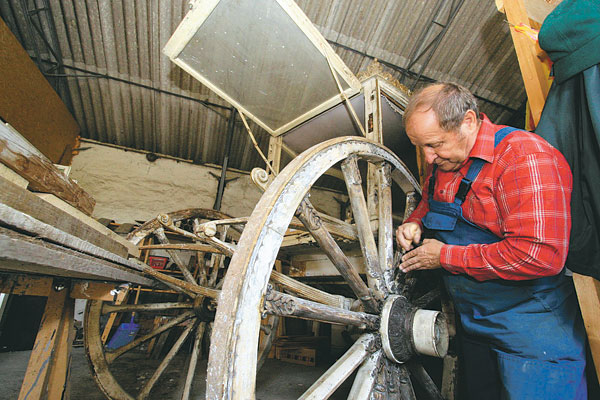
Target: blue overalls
point(522, 339)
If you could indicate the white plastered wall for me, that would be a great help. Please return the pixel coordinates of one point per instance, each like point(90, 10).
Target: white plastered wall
point(128, 188)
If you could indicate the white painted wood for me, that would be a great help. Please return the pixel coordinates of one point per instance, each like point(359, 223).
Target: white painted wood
point(366, 377)
point(341, 370)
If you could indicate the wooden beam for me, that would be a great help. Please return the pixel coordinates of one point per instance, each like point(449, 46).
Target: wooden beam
point(28, 203)
point(31, 105)
point(89, 290)
point(133, 250)
point(532, 70)
point(588, 293)
point(23, 158)
point(24, 254)
point(26, 285)
point(47, 371)
point(31, 285)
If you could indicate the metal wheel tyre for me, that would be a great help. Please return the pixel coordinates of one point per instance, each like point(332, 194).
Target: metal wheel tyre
point(187, 306)
point(393, 329)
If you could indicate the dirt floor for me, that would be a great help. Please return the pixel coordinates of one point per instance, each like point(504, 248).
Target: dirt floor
point(276, 380)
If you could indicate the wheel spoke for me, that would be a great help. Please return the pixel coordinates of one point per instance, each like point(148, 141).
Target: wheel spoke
point(113, 355)
point(150, 307)
point(267, 341)
point(410, 282)
point(427, 298)
point(196, 353)
point(179, 285)
point(363, 224)
point(343, 367)
point(386, 229)
point(419, 373)
point(165, 362)
point(281, 304)
point(308, 292)
point(400, 375)
point(365, 377)
point(162, 238)
point(216, 262)
point(202, 277)
point(182, 246)
point(311, 220)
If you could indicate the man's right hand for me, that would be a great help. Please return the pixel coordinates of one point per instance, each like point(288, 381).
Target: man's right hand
point(407, 235)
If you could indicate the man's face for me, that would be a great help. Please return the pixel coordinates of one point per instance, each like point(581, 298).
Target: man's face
point(446, 149)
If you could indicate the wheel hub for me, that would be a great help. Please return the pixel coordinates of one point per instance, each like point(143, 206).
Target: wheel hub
point(406, 330)
point(204, 308)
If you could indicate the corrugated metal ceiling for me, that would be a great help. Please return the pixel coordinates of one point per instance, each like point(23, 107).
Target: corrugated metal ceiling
point(123, 90)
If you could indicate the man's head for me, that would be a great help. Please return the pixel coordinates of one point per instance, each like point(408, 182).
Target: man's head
point(443, 119)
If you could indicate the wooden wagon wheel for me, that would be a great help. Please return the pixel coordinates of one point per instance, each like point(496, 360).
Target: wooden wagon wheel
point(394, 330)
point(189, 308)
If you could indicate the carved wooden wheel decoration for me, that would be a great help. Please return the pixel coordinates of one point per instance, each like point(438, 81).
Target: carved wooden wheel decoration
point(393, 329)
point(187, 309)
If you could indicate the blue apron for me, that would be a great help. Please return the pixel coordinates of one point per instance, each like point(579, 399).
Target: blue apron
point(522, 339)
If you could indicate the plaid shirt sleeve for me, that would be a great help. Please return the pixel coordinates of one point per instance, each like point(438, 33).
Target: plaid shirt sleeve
point(533, 194)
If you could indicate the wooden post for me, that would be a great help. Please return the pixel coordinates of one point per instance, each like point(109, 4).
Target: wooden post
point(274, 154)
point(374, 131)
point(588, 293)
point(48, 368)
point(536, 85)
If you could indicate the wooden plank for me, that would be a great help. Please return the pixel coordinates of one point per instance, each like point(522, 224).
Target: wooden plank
point(31, 105)
point(24, 223)
point(23, 158)
point(532, 70)
point(88, 290)
point(24, 254)
point(13, 177)
point(133, 250)
point(121, 298)
point(28, 203)
point(31, 285)
point(588, 293)
point(47, 371)
point(26, 285)
point(537, 10)
point(59, 383)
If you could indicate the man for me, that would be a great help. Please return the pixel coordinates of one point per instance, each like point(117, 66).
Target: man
point(496, 208)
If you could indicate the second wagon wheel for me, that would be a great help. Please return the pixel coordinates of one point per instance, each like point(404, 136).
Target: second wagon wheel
point(182, 313)
point(393, 330)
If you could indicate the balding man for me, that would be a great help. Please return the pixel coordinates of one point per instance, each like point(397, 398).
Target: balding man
point(496, 211)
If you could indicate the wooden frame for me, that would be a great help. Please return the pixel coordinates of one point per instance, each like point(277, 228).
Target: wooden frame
point(200, 12)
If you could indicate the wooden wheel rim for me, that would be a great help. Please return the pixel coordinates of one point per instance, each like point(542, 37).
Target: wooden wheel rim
point(235, 332)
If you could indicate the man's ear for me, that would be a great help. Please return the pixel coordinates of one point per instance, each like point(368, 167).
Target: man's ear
point(471, 121)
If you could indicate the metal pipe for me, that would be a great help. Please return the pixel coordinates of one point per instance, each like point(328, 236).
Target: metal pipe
point(230, 130)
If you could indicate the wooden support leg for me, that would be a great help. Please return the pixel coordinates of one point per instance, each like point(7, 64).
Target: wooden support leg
point(588, 294)
point(48, 368)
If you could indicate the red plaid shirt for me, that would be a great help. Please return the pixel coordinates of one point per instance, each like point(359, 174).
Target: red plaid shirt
point(522, 195)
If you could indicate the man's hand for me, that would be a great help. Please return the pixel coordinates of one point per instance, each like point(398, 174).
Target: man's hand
point(426, 256)
point(407, 235)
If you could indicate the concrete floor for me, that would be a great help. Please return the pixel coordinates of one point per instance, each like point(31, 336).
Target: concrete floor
point(276, 380)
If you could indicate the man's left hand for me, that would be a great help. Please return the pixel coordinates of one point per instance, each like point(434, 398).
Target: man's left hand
point(426, 256)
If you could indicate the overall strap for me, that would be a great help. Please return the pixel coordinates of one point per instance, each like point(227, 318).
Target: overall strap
point(474, 169)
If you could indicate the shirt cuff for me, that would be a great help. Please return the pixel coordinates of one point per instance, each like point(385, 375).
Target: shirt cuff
point(451, 258)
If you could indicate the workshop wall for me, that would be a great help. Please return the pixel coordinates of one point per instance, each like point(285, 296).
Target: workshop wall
point(128, 188)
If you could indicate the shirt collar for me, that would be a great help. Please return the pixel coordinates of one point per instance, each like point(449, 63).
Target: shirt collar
point(484, 144)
